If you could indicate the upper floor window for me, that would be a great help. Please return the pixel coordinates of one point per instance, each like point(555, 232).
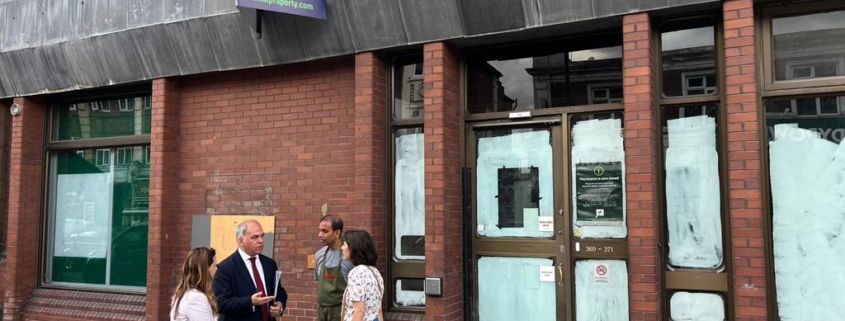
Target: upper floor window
point(93, 119)
point(558, 74)
point(803, 45)
point(688, 57)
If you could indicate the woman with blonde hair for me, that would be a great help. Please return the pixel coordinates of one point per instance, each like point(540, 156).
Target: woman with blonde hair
point(362, 298)
point(193, 299)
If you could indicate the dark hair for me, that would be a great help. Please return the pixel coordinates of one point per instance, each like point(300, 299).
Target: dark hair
point(362, 250)
point(337, 223)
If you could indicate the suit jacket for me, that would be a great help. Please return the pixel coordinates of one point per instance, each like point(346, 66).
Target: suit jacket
point(234, 287)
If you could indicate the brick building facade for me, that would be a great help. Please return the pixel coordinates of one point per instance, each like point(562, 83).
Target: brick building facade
point(295, 139)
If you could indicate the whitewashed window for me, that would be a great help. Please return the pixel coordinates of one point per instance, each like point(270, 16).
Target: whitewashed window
point(409, 195)
point(807, 177)
point(512, 290)
point(692, 189)
point(601, 290)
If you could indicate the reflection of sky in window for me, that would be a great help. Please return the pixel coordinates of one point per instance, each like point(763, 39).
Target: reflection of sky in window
point(811, 22)
point(597, 54)
point(518, 84)
point(687, 38)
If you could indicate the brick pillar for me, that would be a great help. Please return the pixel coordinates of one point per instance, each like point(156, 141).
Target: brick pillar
point(5, 133)
point(744, 175)
point(443, 223)
point(641, 135)
point(24, 209)
point(163, 258)
point(370, 148)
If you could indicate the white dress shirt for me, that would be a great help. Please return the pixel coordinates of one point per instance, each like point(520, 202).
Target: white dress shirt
point(260, 268)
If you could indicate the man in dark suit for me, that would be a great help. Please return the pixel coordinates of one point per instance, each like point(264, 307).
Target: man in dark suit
point(239, 296)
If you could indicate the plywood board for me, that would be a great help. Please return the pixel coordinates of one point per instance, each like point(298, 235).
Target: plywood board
point(223, 232)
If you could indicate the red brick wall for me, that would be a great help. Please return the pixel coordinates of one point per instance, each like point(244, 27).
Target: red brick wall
point(272, 141)
point(641, 167)
point(163, 256)
point(744, 175)
point(24, 209)
point(5, 133)
point(443, 222)
point(371, 149)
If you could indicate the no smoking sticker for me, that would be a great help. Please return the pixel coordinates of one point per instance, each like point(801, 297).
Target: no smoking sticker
point(601, 274)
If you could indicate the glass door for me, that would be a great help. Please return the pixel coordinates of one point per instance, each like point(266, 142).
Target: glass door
point(520, 259)
point(549, 217)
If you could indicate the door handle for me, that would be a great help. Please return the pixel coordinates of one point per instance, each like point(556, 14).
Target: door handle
point(560, 274)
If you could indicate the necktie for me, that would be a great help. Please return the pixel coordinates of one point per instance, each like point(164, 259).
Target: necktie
point(260, 286)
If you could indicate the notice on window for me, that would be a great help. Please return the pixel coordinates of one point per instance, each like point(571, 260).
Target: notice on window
point(601, 274)
point(547, 273)
point(82, 215)
point(598, 193)
point(546, 224)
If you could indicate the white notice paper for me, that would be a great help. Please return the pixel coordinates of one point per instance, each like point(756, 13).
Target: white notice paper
point(547, 274)
point(276, 285)
point(546, 224)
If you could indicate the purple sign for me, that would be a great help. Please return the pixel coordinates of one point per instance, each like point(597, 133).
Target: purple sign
point(308, 8)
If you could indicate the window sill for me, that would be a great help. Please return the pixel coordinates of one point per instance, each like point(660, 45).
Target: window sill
point(404, 316)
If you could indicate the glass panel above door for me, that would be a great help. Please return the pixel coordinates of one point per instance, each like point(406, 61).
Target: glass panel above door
point(514, 182)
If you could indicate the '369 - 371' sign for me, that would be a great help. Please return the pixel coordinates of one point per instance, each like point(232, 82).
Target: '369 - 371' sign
point(308, 8)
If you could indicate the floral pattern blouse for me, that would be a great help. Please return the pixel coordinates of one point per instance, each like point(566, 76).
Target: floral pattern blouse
point(365, 284)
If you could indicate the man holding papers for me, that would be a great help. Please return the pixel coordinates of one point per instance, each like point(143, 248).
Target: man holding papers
point(246, 284)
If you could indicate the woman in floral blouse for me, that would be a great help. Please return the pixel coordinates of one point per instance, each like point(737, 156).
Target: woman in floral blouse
point(362, 298)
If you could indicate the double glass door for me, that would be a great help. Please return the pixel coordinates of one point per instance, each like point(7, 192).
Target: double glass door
point(529, 250)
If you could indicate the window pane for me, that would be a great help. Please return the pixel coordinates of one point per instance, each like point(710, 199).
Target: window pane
point(809, 45)
point(688, 57)
point(502, 279)
point(514, 182)
point(601, 290)
point(408, 89)
point(103, 118)
point(693, 202)
point(99, 216)
point(410, 292)
point(548, 79)
point(598, 176)
point(409, 194)
point(684, 306)
point(807, 175)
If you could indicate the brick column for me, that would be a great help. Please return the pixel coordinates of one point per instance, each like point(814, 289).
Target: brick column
point(370, 148)
point(641, 135)
point(744, 175)
point(24, 208)
point(5, 133)
point(163, 258)
point(443, 223)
